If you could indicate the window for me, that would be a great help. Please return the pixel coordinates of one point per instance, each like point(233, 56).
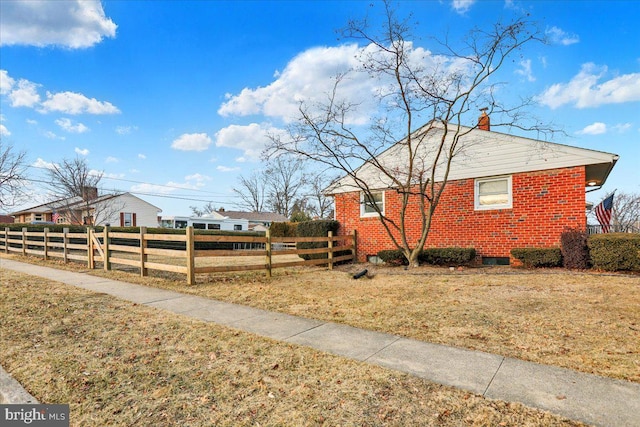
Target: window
point(181, 224)
point(213, 226)
point(368, 203)
point(493, 193)
point(37, 217)
point(237, 227)
point(199, 226)
point(127, 219)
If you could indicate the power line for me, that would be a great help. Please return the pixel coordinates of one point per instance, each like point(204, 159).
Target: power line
point(186, 197)
point(150, 183)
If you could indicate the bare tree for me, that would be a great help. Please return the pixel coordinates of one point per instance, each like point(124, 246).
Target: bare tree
point(12, 175)
point(439, 90)
point(625, 213)
point(251, 191)
point(321, 205)
point(284, 183)
point(75, 187)
point(206, 209)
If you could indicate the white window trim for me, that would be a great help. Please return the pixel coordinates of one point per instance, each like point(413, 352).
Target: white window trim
point(476, 194)
point(364, 214)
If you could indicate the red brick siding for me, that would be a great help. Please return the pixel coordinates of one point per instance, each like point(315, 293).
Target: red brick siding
point(544, 203)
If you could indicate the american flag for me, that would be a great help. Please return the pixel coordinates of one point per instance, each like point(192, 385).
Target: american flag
point(603, 213)
point(54, 217)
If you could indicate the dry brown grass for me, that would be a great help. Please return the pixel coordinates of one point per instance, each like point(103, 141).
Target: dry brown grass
point(585, 321)
point(118, 363)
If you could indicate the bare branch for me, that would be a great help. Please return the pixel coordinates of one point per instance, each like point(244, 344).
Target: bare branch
point(12, 175)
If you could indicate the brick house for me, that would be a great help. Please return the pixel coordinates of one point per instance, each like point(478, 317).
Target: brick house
point(503, 192)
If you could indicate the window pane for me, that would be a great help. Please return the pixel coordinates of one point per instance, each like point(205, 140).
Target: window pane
point(494, 187)
point(371, 201)
point(494, 199)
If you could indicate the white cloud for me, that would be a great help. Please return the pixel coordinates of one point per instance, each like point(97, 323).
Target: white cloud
point(622, 127)
point(24, 94)
point(584, 90)
point(557, 36)
point(68, 125)
point(597, 128)
point(462, 6)
point(42, 164)
point(51, 135)
point(125, 130)
point(197, 179)
point(111, 159)
point(4, 131)
point(32, 122)
point(76, 103)
point(310, 77)
point(251, 139)
point(6, 82)
point(192, 142)
point(72, 24)
point(525, 70)
point(227, 169)
point(82, 151)
point(142, 156)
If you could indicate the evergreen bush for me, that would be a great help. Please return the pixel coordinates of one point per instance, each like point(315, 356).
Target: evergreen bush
point(538, 257)
point(318, 228)
point(615, 251)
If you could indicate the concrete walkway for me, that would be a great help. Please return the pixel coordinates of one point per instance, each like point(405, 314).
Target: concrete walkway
point(588, 398)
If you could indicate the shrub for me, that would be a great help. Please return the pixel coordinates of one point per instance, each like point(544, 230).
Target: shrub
point(615, 251)
point(284, 229)
point(575, 252)
point(316, 229)
point(434, 256)
point(393, 257)
point(447, 256)
point(538, 257)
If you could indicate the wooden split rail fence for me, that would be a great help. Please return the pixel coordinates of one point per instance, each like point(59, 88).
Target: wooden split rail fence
point(178, 253)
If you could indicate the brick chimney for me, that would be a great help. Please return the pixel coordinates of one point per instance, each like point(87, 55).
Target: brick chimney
point(484, 122)
point(89, 193)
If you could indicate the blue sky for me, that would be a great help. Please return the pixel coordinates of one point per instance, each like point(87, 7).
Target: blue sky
point(172, 99)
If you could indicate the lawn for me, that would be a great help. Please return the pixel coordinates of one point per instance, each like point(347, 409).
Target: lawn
point(585, 321)
point(118, 363)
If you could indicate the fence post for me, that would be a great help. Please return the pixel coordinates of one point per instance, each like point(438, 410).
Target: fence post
point(65, 242)
point(90, 261)
point(105, 249)
point(24, 241)
point(143, 256)
point(354, 251)
point(45, 238)
point(330, 249)
point(267, 247)
point(191, 262)
point(6, 240)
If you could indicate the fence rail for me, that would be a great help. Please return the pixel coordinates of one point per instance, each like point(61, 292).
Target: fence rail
point(177, 253)
point(613, 228)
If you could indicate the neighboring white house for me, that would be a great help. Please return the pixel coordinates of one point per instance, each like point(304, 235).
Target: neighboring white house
point(258, 221)
point(117, 210)
point(225, 220)
point(133, 212)
point(211, 221)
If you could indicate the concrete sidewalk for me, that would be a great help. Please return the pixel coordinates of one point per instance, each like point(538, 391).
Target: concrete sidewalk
point(583, 397)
